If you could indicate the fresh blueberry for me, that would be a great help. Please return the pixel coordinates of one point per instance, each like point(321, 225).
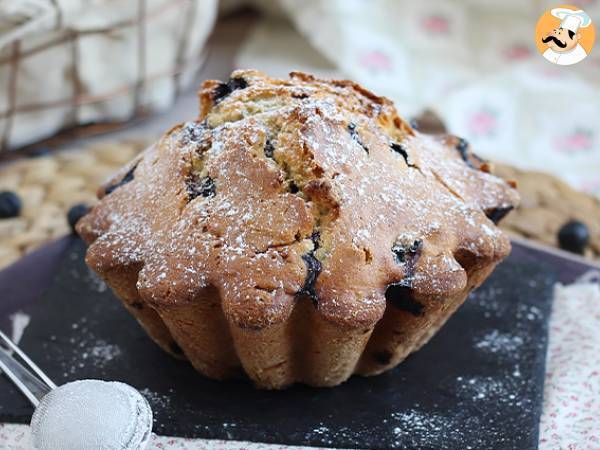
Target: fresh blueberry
point(10, 204)
point(75, 213)
point(574, 236)
point(38, 152)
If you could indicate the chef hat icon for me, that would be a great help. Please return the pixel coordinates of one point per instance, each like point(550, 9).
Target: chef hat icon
point(572, 20)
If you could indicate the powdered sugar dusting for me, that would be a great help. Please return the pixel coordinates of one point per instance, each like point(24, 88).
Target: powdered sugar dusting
point(20, 321)
point(102, 353)
point(330, 162)
point(497, 342)
point(479, 382)
point(86, 352)
point(433, 429)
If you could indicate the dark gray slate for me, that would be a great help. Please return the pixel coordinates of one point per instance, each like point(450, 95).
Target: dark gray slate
point(477, 384)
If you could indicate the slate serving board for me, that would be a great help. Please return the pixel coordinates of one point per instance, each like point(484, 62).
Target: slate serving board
point(477, 384)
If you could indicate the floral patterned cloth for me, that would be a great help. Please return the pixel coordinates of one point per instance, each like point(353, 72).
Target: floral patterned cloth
point(571, 412)
point(474, 63)
point(17, 437)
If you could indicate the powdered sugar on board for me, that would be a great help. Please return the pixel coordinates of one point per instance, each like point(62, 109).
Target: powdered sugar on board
point(84, 349)
point(455, 384)
point(497, 342)
point(20, 321)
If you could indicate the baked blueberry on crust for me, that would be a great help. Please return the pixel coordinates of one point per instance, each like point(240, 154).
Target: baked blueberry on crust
point(297, 231)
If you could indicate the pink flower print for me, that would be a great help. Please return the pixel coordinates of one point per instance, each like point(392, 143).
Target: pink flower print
point(517, 52)
point(579, 139)
point(483, 122)
point(436, 24)
point(375, 60)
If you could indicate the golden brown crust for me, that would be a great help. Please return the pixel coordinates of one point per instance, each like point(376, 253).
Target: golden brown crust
point(296, 189)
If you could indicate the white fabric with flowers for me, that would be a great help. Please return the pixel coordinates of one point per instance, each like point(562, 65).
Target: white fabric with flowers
point(474, 63)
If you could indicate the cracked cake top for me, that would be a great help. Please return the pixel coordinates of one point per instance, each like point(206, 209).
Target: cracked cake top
point(299, 188)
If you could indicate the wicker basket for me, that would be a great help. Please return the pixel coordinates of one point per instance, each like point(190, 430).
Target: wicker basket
point(66, 63)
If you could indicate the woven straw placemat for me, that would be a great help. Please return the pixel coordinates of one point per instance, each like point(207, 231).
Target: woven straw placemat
point(50, 185)
point(548, 203)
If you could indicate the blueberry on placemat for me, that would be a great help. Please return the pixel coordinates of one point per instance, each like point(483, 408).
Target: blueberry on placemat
point(10, 204)
point(574, 236)
point(75, 213)
point(38, 152)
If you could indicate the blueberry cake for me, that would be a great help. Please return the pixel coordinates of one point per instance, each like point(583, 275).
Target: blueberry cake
point(297, 231)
